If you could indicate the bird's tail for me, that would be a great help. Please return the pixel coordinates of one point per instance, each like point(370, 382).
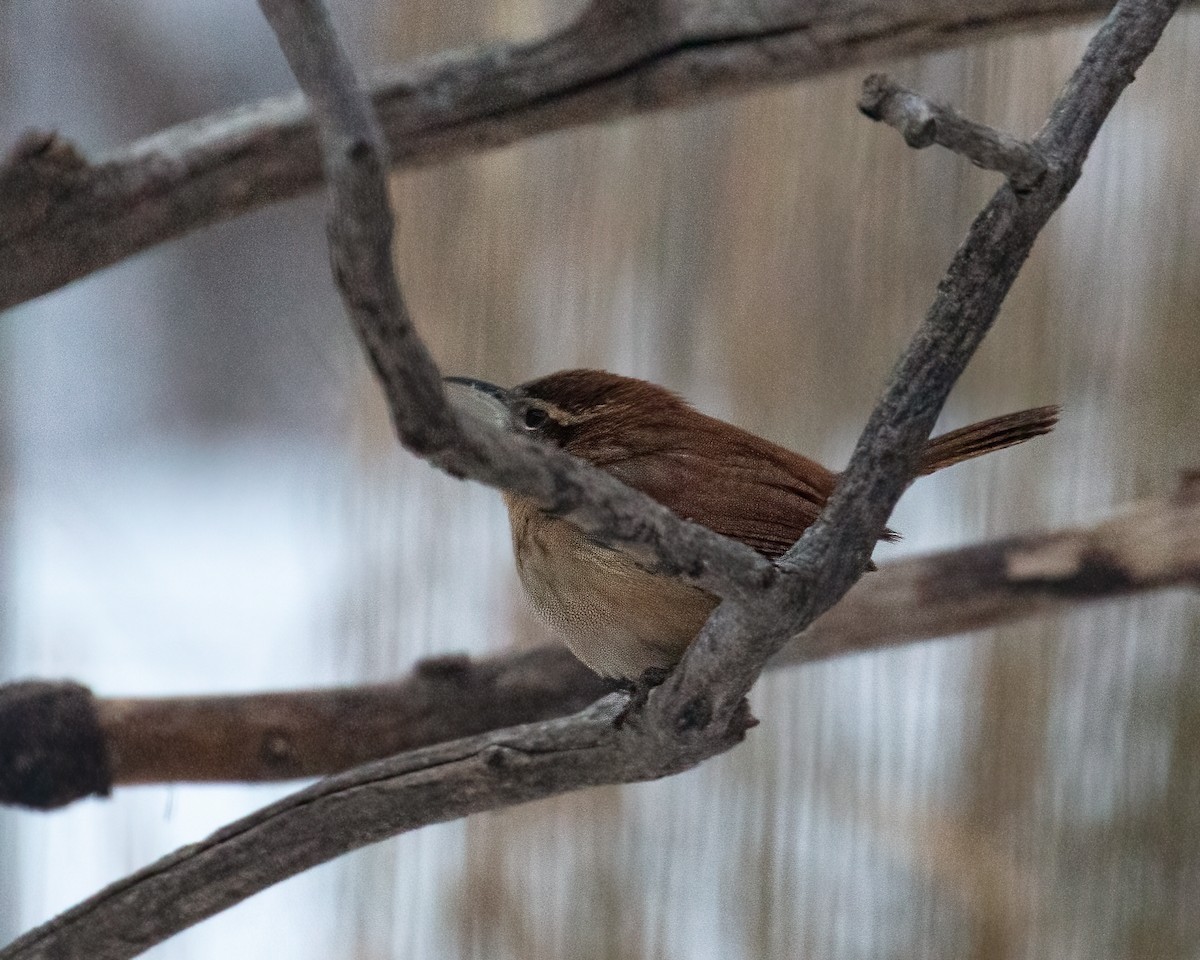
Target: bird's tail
point(986, 436)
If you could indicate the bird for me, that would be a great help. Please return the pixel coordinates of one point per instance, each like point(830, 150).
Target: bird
point(621, 619)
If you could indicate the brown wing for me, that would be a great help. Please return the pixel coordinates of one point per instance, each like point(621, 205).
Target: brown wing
point(732, 482)
point(703, 469)
point(766, 496)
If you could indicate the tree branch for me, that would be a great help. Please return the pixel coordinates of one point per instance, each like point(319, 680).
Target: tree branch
point(700, 710)
point(62, 217)
point(924, 122)
point(360, 241)
point(835, 550)
point(49, 758)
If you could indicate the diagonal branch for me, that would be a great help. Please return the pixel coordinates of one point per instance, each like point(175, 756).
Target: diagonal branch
point(699, 711)
point(835, 550)
point(59, 743)
point(360, 241)
point(63, 217)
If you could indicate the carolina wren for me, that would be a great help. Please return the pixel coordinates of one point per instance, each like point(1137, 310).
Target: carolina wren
point(617, 617)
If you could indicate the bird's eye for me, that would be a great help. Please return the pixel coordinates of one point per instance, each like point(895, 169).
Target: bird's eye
point(535, 418)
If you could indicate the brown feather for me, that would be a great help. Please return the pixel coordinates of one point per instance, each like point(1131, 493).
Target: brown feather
point(719, 475)
point(763, 494)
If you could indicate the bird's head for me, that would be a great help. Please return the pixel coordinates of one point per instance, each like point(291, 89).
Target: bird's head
point(598, 416)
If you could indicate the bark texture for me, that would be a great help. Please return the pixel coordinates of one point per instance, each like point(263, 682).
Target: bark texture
point(63, 216)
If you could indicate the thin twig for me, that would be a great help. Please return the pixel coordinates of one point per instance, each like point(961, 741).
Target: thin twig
point(60, 221)
point(924, 122)
point(57, 741)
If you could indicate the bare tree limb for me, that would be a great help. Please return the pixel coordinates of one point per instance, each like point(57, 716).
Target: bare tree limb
point(836, 549)
point(49, 757)
point(360, 242)
point(924, 122)
point(1150, 546)
point(59, 743)
point(63, 217)
point(700, 709)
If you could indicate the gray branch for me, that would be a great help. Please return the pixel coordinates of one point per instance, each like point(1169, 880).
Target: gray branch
point(700, 710)
point(925, 122)
point(360, 240)
point(63, 217)
point(59, 743)
point(835, 550)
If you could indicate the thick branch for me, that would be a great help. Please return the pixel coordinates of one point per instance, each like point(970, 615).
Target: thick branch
point(62, 218)
point(344, 813)
point(279, 736)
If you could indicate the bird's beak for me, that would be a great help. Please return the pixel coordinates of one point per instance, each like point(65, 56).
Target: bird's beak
point(479, 399)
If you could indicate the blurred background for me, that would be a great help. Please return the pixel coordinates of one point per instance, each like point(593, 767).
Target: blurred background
point(199, 492)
